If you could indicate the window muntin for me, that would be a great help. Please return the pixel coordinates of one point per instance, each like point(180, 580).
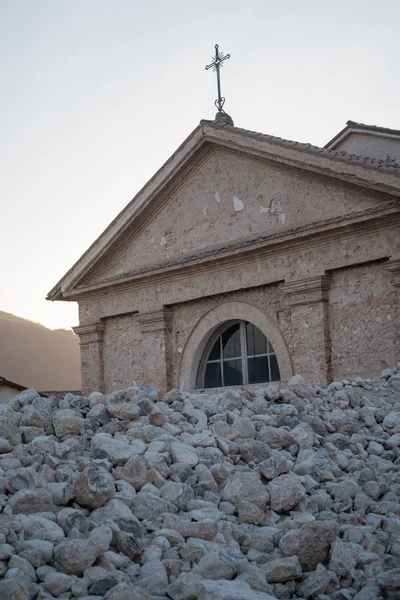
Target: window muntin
point(238, 353)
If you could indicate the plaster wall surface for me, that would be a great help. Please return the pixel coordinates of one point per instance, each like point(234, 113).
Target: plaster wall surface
point(305, 329)
point(372, 146)
point(353, 331)
point(125, 353)
point(364, 321)
point(291, 263)
point(132, 357)
point(7, 392)
point(227, 198)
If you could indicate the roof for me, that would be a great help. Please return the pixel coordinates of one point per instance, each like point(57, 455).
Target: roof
point(375, 128)
point(61, 394)
point(354, 126)
point(338, 155)
point(4, 381)
point(57, 394)
point(369, 173)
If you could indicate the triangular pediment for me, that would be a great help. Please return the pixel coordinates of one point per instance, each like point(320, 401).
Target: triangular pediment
point(222, 186)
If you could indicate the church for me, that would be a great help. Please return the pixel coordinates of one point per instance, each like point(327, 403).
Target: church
point(244, 260)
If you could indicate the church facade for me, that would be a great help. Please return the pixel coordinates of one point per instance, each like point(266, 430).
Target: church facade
point(247, 259)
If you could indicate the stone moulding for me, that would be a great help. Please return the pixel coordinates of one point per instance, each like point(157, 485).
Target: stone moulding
point(307, 291)
point(219, 258)
point(158, 320)
point(393, 266)
point(88, 334)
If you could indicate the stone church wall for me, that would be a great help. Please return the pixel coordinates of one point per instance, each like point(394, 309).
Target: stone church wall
point(345, 323)
point(123, 351)
point(354, 329)
point(305, 330)
point(364, 321)
point(185, 316)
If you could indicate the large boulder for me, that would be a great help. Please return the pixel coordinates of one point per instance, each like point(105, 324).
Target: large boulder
point(229, 590)
point(281, 570)
point(311, 543)
point(67, 422)
point(115, 450)
point(243, 485)
point(125, 411)
point(74, 556)
point(285, 492)
point(94, 487)
point(13, 590)
point(28, 501)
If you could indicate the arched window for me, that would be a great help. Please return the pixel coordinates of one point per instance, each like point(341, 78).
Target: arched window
point(237, 353)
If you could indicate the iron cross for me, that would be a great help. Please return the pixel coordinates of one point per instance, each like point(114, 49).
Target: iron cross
point(216, 65)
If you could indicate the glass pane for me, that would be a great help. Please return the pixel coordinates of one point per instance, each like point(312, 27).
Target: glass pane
point(215, 351)
point(231, 342)
point(258, 369)
point(233, 372)
point(212, 377)
point(275, 375)
point(257, 343)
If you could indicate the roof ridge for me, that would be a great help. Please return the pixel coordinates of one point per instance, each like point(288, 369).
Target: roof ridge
point(388, 165)
point(376, 128)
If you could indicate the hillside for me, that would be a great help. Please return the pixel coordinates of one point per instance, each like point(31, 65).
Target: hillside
point(35, 356)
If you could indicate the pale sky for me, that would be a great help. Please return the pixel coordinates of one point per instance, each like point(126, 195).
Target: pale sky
point(97, 94)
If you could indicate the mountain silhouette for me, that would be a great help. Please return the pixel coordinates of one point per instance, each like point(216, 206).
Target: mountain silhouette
point(35, 356)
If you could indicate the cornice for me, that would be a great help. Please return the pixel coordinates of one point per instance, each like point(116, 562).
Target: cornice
point(268, 149)
point(173, 183)
point(147, 213)
point(92, 333)
point(307, 291)
point(153, 321)
point(307, 156)
point(186, 151)
point(218, 259)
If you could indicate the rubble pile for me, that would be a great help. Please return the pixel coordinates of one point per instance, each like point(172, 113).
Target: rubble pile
point(248, 494)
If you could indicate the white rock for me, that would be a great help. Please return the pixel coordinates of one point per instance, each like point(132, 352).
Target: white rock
point(183, 453)
point(285, 492)
point(105, 446)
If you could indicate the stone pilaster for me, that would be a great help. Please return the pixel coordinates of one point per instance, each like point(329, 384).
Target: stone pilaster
point(155, 327)
point(92, 367)
point(307, 301)
point(393, 266)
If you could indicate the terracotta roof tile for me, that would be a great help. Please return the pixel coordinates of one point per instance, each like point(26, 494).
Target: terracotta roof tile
point(61, 394)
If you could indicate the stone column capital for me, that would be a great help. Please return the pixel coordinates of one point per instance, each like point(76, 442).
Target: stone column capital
point(307, 291)
point(156, 320)
point(91, 343)
point(92, 333)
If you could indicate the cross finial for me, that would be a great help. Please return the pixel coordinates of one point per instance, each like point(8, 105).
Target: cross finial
point(216, 65)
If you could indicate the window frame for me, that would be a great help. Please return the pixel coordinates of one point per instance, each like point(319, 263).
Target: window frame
point(244, 355)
